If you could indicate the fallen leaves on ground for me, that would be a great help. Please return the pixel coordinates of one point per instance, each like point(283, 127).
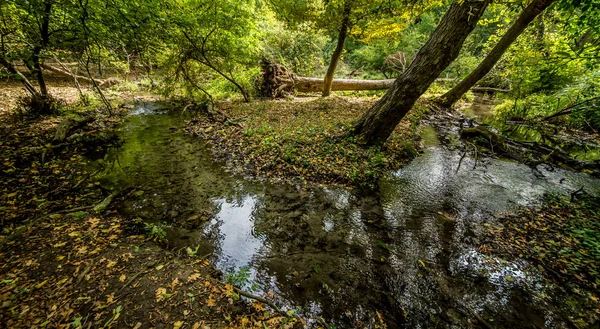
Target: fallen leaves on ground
point(562, 240)
point(303, 141)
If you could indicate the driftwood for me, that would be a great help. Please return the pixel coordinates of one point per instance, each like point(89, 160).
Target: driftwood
point(101, 82)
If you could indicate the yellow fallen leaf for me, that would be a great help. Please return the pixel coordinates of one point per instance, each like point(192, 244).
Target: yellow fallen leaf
point(177, 324)
point(58, 245)
point(210, 302)
point(174, 284)
point(161, 293)
point(122, 278)
point(193, 277)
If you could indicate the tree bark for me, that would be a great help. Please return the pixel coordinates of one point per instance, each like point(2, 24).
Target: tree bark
point(527, 16)
point(337, 53)
point(37, 50)
point(443, 46)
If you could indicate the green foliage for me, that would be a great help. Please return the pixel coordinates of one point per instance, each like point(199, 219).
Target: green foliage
point(155, 232)
point(299, 48)
point(242, 278)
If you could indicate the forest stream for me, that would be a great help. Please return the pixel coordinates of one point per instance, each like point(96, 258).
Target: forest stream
point(405, 253)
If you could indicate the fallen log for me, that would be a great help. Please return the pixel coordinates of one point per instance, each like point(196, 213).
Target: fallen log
point(306, 84)
point(67, 126)
point(278, 81)
point(489, 90)
point(101, 82)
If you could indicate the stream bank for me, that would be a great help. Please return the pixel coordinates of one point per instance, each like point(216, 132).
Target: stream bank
point(66, 265)
point(411, 242)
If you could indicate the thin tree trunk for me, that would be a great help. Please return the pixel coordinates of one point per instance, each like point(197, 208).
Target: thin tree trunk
point(443, 46)
point(12, 69)
point(37, 50)
point(527, 16)
point(96, 86)
point(64, 72)
point(207, 62)
point(337, 53)
point(77, 85)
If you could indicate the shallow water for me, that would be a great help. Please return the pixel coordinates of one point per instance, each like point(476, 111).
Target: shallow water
point(402, 253)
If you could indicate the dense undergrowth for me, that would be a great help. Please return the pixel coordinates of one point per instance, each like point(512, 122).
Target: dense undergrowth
point(304, 141)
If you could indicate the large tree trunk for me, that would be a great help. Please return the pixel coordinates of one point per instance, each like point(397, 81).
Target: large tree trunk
point(337, 53)
point(527, 16)
point(443, 46)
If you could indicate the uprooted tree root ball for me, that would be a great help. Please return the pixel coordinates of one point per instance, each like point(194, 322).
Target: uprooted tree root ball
point(304, 140)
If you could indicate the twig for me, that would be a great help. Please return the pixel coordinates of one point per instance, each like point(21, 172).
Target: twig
point(85, 271)
point(135, 276)
point(574, 194)
point(460, 161)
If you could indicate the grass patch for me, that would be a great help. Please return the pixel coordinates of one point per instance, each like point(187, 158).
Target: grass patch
point(303, 140)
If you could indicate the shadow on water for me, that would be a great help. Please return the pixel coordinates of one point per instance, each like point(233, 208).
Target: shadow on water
point(403, 252)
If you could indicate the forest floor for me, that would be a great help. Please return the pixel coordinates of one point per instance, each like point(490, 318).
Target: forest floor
point(562, 239)
point(65, 265)
point(303, 141)
point(68, 266)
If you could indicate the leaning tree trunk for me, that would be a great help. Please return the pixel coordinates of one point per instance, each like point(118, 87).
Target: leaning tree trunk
point(13, 70)
point(527, 16)
point(337, 53)
point(443, 46)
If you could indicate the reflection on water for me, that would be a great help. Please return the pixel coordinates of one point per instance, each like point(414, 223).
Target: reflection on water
point(402, 252)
